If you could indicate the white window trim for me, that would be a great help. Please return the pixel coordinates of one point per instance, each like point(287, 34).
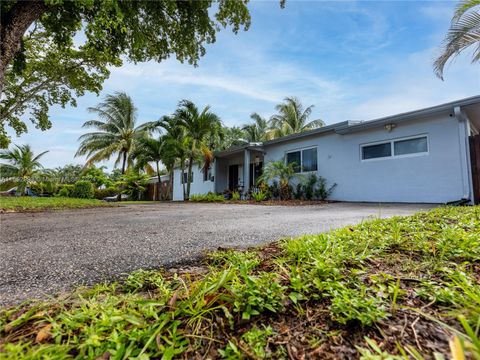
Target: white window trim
point(392, 148)
point(301, 158)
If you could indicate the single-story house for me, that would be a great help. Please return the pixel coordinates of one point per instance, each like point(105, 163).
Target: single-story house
point(430, 155)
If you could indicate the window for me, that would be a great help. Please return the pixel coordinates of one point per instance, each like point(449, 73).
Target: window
point(411, 146)
point(304, 160)
point(376, 151)
point(395, 148)
point(185, 177)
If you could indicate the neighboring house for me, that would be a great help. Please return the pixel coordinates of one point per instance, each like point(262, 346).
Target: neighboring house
point(420, 156)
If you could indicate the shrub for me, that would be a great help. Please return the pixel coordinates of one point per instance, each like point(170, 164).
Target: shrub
point(235, 196)
point(210, 197)
point(83, 189)
point(103, 193)
point(322, 192)
point(259, 196)
point(63, 192)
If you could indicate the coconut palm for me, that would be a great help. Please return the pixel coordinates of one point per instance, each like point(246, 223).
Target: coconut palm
point(464, 32)
point(256, 131)
point(116, 131)
point(199, 126)
point(22, 164)
point(292, 118)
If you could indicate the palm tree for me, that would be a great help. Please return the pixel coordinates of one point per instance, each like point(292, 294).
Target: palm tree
point(22, 165)
point(464, 32)
point(256, 131)
point(116, 132)
point(292, 118)
point(283, 173)
point(149, 150)
point(198, 125)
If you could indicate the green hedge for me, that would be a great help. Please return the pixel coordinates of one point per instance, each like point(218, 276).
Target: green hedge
point(83, 190)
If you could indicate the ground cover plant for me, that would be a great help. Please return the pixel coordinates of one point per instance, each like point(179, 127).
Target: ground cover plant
point(26, 203)
point(405, 287)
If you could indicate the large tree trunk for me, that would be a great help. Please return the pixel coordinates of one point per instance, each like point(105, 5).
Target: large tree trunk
point(159, 187)
point(13, 25)
point(189, 177)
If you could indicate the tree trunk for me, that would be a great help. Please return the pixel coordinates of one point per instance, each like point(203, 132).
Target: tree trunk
point(13, 25)
point(124, 162)
point(183, 182)
point(189, 177)
point(159, 187)
point(170, 182)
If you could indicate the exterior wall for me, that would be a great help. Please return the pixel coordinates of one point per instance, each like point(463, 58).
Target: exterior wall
point(433, 178)
point(198, 186)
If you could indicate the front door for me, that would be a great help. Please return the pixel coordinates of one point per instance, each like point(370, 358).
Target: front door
point(233, 177)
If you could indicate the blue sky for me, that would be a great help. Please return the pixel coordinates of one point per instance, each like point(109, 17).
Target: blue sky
point(352, 60)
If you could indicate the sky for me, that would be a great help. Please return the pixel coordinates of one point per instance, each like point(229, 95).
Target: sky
point(351, 60)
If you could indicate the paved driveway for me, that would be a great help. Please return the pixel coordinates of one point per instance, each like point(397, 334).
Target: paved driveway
point(43, 253)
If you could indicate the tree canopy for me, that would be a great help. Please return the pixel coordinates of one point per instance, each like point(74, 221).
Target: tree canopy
point(82, 38)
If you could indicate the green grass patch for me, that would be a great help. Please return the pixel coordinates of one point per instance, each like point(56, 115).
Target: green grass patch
point(400, 288)
point(26, 203)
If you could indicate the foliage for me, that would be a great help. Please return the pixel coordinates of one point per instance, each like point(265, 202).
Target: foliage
point(256, 131)
point(22, 164)
point(199, 126)
point(235, 196)
point(109, 32)
point(209, 197)
point(100, 194)
point(68, 174)
point(115, 131)
point(327, 292)
point(291, 118)
point(97, 176)
point(284, 173)
point(26, 203)
point(259, 195)
point(83, 189)
point(463, 33)
point(322, 191)
point(133, 184)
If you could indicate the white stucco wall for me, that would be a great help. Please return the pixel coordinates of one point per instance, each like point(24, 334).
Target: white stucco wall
point(198, 186)
point(433, 178)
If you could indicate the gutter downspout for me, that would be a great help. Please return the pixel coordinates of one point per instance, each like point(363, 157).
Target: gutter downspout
point(465, 162)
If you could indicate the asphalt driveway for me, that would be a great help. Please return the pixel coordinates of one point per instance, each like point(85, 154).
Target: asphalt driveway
point(44, 253)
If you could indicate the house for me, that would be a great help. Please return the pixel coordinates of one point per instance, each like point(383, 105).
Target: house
point(430, 155)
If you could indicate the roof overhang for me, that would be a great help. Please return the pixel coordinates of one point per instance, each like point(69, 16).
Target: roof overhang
point(258, 146)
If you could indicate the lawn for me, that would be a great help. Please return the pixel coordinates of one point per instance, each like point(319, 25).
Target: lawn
point(405, 287)
point(25, 203)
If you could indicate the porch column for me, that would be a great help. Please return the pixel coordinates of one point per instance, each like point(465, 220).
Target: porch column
point(246, 171)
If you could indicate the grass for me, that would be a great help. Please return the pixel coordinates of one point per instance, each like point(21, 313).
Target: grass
point(25, 203)
point(406, 287)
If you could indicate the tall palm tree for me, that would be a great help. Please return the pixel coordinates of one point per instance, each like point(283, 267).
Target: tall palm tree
point(464, 32)
point(292, 118)
point(22, 164)
point(198, 125)
point(149, 150)
point(256, 131)
point(116, 131)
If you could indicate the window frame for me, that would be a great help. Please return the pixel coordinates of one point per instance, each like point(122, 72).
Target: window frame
point(301, 158)
point(392, 148)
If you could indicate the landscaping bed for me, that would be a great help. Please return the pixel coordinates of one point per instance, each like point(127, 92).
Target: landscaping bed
point(403, 286)
point(26, 203)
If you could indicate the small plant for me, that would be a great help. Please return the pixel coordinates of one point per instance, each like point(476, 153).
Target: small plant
point(235, 196)
point(322, 192)
point(83, 190)
point(63, 192)
point(259, 196)
point(210, 197)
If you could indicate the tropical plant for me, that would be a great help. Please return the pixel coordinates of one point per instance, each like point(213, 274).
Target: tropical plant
point(283, 173)
point(150, 150)
point(68, 174)
point(198, 126)
point(259, 195)
point(322, 191)
point(133, 184)
point(96, 175)
point(464, 32)
point(116, 132)
point(22, 164)
point(292, 118)
point(256, 131)
point(235, 196)
point(228, 137)
point(83, 189)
